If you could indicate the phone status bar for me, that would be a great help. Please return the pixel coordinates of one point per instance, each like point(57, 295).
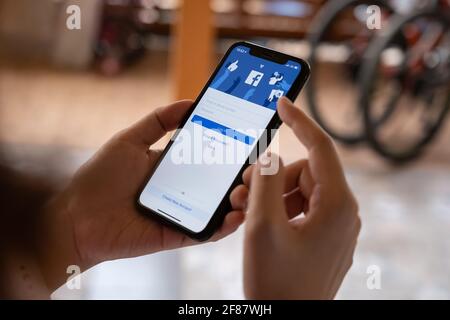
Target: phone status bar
point(292, 65)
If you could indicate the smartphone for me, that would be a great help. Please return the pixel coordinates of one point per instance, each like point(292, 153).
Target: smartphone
point(190, 186)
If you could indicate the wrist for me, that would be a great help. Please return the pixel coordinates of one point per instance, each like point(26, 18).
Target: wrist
point(56, 247)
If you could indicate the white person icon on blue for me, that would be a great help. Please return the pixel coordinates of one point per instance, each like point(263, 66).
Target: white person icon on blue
point(276, 78)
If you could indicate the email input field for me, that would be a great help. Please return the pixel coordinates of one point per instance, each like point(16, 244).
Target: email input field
point(233, 112)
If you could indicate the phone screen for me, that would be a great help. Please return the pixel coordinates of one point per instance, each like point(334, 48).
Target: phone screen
point(209, 151)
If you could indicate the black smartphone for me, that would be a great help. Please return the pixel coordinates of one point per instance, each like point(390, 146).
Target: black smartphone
point(190, 186)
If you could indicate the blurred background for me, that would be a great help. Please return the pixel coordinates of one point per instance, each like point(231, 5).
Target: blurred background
point(382, 91)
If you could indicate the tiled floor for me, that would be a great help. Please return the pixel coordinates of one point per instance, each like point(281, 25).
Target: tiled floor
point(405, 211)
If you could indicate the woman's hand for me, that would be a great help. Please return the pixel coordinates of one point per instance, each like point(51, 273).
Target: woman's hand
point(293, 256)
point(95, 218)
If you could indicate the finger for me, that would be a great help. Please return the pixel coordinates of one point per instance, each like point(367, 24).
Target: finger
point(297, 174)
point(239, 197)
point(293, 174)
point(247, 175)
point(295, 203)
point(295, 191)
point(266, 203)
point(154, 126)
point(324, 163)
point(230, 224)
point(154, 155)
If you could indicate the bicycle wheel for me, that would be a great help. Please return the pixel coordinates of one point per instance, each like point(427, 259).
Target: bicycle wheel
point(412, 83)
point(345, 52)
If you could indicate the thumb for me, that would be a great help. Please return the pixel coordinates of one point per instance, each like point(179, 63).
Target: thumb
point(266, 204)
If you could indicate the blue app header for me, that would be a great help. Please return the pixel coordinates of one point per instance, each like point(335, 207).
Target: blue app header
point(255, 79)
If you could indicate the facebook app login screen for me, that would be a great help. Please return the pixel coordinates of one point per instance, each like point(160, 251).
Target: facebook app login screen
point(209, 151)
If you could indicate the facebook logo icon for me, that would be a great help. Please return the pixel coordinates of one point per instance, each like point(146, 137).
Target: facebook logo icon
point(254, 78)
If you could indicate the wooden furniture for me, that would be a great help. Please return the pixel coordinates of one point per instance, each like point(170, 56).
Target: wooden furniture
point(192, 48)
point(242, 23)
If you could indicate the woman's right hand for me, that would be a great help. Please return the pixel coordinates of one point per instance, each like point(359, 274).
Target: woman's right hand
point(293, 256)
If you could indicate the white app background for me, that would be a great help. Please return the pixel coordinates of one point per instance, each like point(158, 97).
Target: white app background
point(189, 194)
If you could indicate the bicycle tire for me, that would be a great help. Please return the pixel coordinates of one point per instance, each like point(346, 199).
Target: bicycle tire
point(318, 31)
point(368, 75)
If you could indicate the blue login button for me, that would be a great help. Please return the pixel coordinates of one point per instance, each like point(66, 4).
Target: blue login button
point(234, 134)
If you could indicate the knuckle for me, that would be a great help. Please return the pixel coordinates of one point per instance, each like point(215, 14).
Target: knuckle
point(350, 205)
point(353, 208)
point(120, 135)
point(324, 140)
point(358, 224)
point(259, 228)
point(349, 263)
point(346, 209)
